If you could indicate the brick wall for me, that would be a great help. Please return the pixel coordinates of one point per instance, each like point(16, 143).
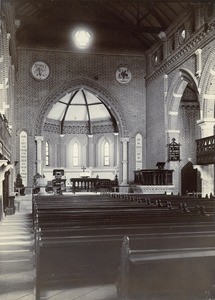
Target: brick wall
point(155, 123)
point(66, 68)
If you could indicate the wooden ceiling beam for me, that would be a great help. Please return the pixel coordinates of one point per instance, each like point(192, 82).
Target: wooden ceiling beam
point(108, 26)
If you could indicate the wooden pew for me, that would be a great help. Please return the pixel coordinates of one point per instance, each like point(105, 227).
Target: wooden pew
point(183, 273)
point(174, 199)
point(74, 242)
point(75, 258)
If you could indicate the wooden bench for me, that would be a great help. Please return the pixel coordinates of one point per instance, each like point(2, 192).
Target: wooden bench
point(75, 240)
point(180, 273)
point(75, 257)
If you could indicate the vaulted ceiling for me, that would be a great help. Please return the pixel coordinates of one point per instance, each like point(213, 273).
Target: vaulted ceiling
point(139, 21)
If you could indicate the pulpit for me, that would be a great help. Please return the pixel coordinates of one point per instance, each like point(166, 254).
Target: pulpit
point(59, 183)
point(154, 181)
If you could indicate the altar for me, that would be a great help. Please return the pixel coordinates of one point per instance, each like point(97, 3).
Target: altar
point(82, 179)
point(92, 184)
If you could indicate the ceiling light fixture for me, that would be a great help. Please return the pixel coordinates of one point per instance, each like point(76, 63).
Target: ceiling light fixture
point(82, 38)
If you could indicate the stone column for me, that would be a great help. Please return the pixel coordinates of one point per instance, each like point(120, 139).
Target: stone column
point(116, 150)
point(90, 151)
point(206, 171)
point(124, 142)
point(39, 140)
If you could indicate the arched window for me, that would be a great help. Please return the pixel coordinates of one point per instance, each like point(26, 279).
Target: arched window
point(75, 155)
point(106, 154)
point(47, 154)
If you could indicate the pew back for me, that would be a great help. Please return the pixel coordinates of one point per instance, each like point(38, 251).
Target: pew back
point(178, 273)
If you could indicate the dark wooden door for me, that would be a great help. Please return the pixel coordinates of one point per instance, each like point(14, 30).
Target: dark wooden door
point(6, 190)
point(189, 179)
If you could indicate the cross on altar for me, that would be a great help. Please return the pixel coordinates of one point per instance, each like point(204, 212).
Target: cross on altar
point(83, 168)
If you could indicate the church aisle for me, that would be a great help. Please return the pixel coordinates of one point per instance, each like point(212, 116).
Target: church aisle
point(17, 265)
point(16, 257)
point(97, 292)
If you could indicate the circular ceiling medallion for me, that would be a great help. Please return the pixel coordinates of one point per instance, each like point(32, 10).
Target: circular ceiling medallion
point(123, 75)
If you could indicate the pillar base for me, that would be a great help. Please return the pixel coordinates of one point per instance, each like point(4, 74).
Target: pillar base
point(124, 188)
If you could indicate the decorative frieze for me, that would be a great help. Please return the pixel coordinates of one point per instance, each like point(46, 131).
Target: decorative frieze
point(78, 129)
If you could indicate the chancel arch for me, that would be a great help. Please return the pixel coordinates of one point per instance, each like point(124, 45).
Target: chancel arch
point(107, 98)
point(86, 131)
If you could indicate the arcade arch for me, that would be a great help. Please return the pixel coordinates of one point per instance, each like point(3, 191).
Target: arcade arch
point(207, 119)
point(183, 112)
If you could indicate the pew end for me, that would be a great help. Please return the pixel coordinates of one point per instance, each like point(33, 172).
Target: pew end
point(167, 274)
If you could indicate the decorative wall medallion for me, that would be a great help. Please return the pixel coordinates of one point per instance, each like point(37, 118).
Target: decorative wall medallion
point(123, 75)
point(40, 70)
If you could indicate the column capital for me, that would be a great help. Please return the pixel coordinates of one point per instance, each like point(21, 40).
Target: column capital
point(198, 51)
point(39, 138)
point(124, 139)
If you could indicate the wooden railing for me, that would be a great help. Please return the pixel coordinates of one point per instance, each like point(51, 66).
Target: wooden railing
point(205, 150)
point(91, 184)
point(153, 177)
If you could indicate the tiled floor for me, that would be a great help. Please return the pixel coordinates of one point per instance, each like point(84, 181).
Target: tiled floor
point(16, 263)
